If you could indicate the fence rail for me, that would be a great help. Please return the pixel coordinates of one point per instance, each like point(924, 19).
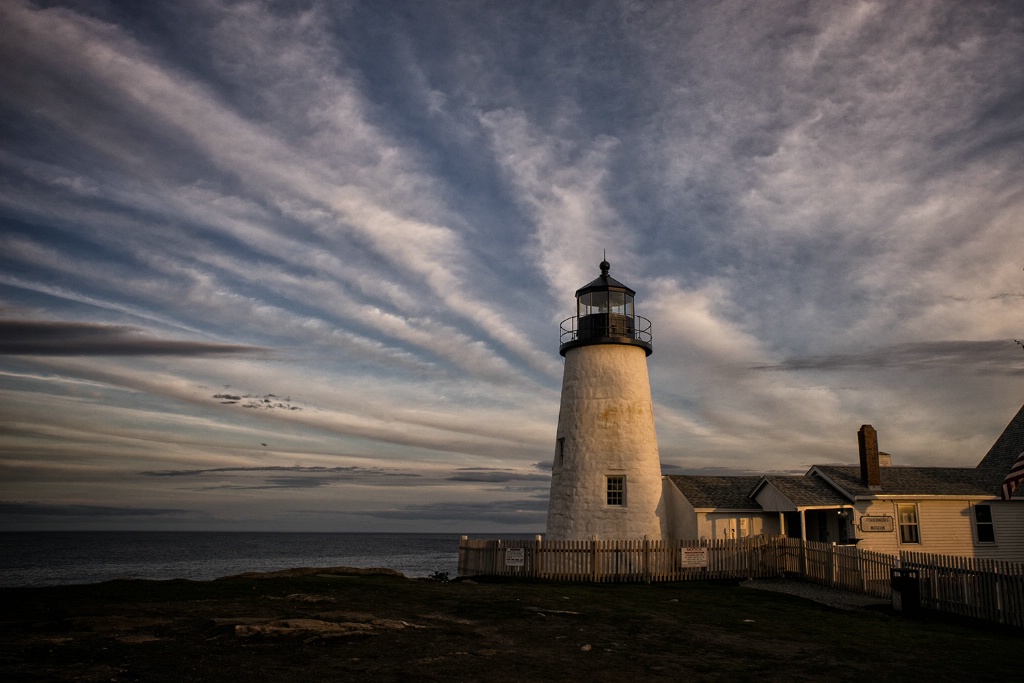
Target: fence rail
point(985, 589)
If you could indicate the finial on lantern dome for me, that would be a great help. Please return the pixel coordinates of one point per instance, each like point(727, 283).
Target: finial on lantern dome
point(605, 267)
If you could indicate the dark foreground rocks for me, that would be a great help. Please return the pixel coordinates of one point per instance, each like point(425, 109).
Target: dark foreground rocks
point(316, 624)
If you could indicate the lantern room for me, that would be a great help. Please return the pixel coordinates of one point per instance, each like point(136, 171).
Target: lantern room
point(605, 315)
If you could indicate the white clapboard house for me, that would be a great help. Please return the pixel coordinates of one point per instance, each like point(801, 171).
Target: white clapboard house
point(876, 505)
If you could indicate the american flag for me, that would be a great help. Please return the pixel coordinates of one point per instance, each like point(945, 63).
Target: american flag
point(1013, 478)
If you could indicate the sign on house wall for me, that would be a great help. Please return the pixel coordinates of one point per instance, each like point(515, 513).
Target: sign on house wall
point(876, 523)
point(694, 557)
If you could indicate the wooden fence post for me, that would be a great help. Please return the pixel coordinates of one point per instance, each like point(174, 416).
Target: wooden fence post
point(535, 565)
point(833, 562)
point(647, 561)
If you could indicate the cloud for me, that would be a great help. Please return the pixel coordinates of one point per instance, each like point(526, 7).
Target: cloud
point(42, 338)
point(528, 513)
point(726, 471)
point(339, 472)
point(264, 402)
point(494, 476)
point(382, 215)
point(980, 357)
point(27, 509)
point(296, 477)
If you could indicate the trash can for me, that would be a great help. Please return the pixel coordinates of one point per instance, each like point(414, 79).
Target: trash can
point(906, 589)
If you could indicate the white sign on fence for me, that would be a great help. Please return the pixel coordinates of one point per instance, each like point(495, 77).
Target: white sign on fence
point(695, 557)
point(515, 557)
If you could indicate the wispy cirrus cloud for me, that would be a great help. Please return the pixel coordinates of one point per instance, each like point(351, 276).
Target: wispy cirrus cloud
point(381, 213)
point(981, 357)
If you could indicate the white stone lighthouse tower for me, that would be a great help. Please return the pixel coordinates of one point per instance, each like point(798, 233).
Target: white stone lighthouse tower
point(606, 476)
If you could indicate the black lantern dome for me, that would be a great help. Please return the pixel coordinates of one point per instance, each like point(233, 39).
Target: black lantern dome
point(605, 315)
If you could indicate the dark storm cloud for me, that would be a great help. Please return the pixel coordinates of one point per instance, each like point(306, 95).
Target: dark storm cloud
point(42, 338)
point(981, 357)
point(50, 510)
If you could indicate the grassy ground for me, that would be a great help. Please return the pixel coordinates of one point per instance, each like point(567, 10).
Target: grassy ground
point(392, 629)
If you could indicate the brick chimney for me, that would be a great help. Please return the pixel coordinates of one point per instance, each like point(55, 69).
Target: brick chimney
point(870, 473)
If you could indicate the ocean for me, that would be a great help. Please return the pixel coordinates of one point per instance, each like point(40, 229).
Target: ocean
point(76, 557)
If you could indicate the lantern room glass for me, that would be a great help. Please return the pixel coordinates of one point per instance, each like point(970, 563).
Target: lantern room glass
point(616, 303)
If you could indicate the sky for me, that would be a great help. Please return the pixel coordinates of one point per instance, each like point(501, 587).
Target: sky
point(300, 266)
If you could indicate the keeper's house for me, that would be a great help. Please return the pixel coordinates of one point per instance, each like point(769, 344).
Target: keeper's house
point(966, 511)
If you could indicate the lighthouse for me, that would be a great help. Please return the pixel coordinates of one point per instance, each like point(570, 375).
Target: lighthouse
point(606, 474)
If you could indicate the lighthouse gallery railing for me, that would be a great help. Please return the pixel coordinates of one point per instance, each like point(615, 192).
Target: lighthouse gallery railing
point(605, 326)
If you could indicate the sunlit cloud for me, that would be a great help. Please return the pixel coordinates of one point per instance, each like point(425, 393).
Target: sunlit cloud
point(313, 257)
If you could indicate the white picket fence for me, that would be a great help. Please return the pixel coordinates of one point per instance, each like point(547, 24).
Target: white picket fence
point(973, 587)
point(602, 561)
point(984, 589)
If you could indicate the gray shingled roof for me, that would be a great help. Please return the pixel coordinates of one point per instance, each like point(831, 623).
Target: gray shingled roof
point(919, 481)
point(1007, 447)
point(717, 492)
point(807, 490)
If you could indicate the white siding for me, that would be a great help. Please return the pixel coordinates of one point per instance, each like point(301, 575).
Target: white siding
point(735, 524)
point(1008, 517)
point(772, 500)
point(947, 528)
point(678, 518)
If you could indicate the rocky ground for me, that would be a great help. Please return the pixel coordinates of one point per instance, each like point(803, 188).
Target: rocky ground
point(321, 624)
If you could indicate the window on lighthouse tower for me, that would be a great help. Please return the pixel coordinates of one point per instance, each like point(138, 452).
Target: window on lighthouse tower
point(616, 491)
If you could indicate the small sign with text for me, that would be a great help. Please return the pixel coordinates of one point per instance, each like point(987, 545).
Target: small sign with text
point(515, 557)
point(876, 523)
point(695, 557)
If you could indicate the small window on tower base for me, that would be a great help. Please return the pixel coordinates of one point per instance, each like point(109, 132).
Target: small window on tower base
point(616, 491)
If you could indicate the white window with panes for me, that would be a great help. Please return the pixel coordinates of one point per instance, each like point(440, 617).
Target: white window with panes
point(910, 528)
point(984, 527)
point(616, 491)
